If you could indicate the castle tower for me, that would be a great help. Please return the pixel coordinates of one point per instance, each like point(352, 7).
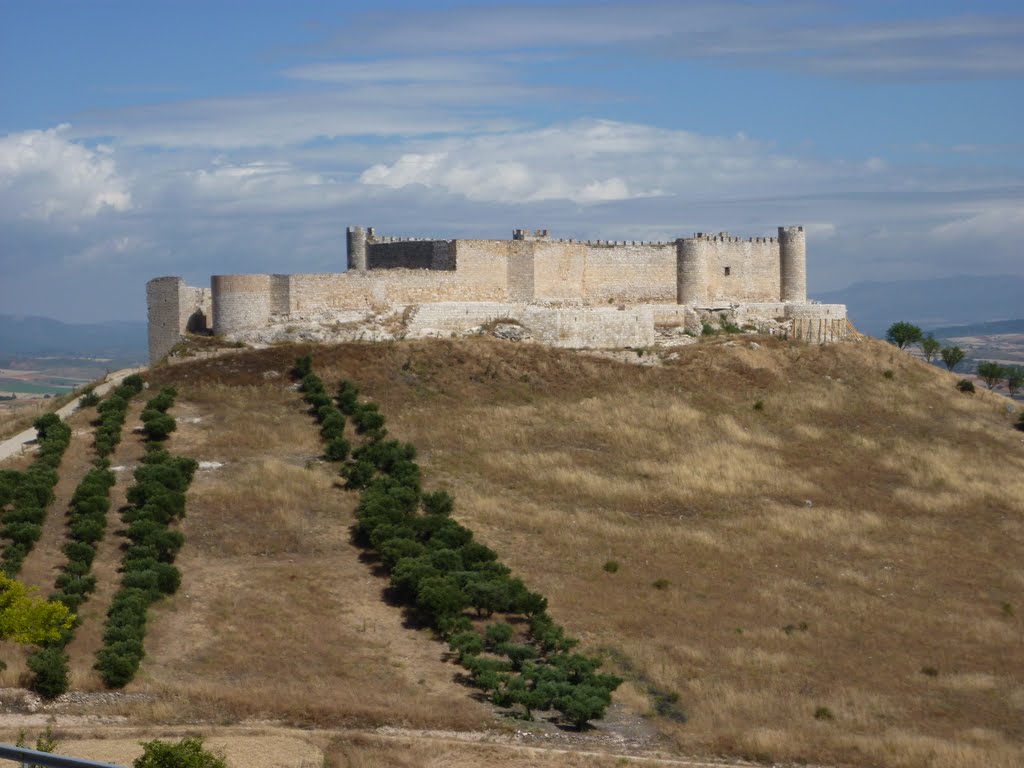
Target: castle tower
point(793, 264)
point(692, 270)
point(356, 237)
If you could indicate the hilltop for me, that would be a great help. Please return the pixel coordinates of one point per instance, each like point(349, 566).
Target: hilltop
point(816, 554)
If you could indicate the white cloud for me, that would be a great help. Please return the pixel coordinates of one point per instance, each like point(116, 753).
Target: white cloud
point(592, 161)
point(998, 221)
point(784, 35)
point(412, 69)
point(45, 176)
point(264, 186)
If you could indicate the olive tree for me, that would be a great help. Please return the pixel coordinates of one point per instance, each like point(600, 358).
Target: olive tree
point(991, 373)
point(903, 334)
point(930, 347)
point(952, 357)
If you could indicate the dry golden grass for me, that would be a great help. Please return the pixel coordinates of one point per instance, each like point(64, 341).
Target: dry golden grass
point(884, 516)
point(18, 418)
point(820, 553)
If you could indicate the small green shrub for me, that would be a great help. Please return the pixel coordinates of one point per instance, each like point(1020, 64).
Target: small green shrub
point(966, 386)
point(759, 405)
point(661, 584)
point(497, 634)
point(89, 400)
point(303, 367)
point(930, 671)
point(823, 713)
point(187, 753)
point(611, 566)
point(49, 668)
point(707, 329)
point(337, 449)
point(888, 374)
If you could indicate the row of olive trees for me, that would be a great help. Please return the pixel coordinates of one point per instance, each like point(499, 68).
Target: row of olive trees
point(441, 572)
point(904, 334)
point(155, 501)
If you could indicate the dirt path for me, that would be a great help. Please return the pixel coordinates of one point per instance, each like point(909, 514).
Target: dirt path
point(266, 745)
point(13, 446)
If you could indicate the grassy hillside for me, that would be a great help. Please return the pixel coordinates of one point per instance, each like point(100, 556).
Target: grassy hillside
point(833, 575)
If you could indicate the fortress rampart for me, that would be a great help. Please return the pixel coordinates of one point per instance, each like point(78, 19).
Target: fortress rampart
point(585, 293)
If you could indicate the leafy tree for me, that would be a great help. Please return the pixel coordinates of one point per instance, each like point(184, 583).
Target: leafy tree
point(466, 644)
point(930, 346)
point(991, 373)
point(498, 633)
point(584, 703)
point(1014, 378)
point(952, 357)
point(158, 425)
point(903, 334)
point(441, 596)
point(187, 753)
point(49, 668)
point(27, 619)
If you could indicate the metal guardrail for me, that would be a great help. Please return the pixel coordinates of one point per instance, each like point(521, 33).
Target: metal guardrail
point(48, 760)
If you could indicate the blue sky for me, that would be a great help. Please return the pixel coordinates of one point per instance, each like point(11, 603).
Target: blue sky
point(150, 138)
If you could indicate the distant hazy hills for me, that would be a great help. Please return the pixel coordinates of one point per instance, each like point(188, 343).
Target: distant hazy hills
point(931, 304)
point(24, 336)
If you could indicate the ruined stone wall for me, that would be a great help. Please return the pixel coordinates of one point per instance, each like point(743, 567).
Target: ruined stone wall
point(174, 308)
point(458, 317)
point(630, 274)
point(818, 323)
point(585, 328)
point(573, 327)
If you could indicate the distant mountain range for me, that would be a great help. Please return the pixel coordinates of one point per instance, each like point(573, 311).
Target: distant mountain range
point(931, 304)
point(995, 328)
point(25, 336)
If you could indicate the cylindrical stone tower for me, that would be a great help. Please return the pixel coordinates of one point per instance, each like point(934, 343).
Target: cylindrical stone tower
point(692, 270)
point(240, 302)
point(357, 249)
point(793, 264)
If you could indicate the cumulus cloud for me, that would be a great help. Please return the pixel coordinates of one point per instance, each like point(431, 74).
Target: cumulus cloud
point(45, 176)
point(592, 161)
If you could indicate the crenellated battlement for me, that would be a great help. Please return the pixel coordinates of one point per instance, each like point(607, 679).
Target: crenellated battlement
point(565, 277)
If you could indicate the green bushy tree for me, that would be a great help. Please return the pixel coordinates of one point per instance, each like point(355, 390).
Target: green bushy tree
point(187, 753)
point(930, 347)
point(952, 357)
point(991, 373)
point(903, 334)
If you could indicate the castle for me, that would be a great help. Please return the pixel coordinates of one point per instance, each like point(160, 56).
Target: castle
point(570, 293)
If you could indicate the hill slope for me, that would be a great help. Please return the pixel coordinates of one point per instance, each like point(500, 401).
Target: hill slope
point(850, 549)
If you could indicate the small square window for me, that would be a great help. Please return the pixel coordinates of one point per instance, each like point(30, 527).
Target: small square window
point(728, 271)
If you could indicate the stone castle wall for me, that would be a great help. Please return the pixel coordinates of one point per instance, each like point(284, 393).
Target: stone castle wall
point(572, 293)
point(174, 308)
